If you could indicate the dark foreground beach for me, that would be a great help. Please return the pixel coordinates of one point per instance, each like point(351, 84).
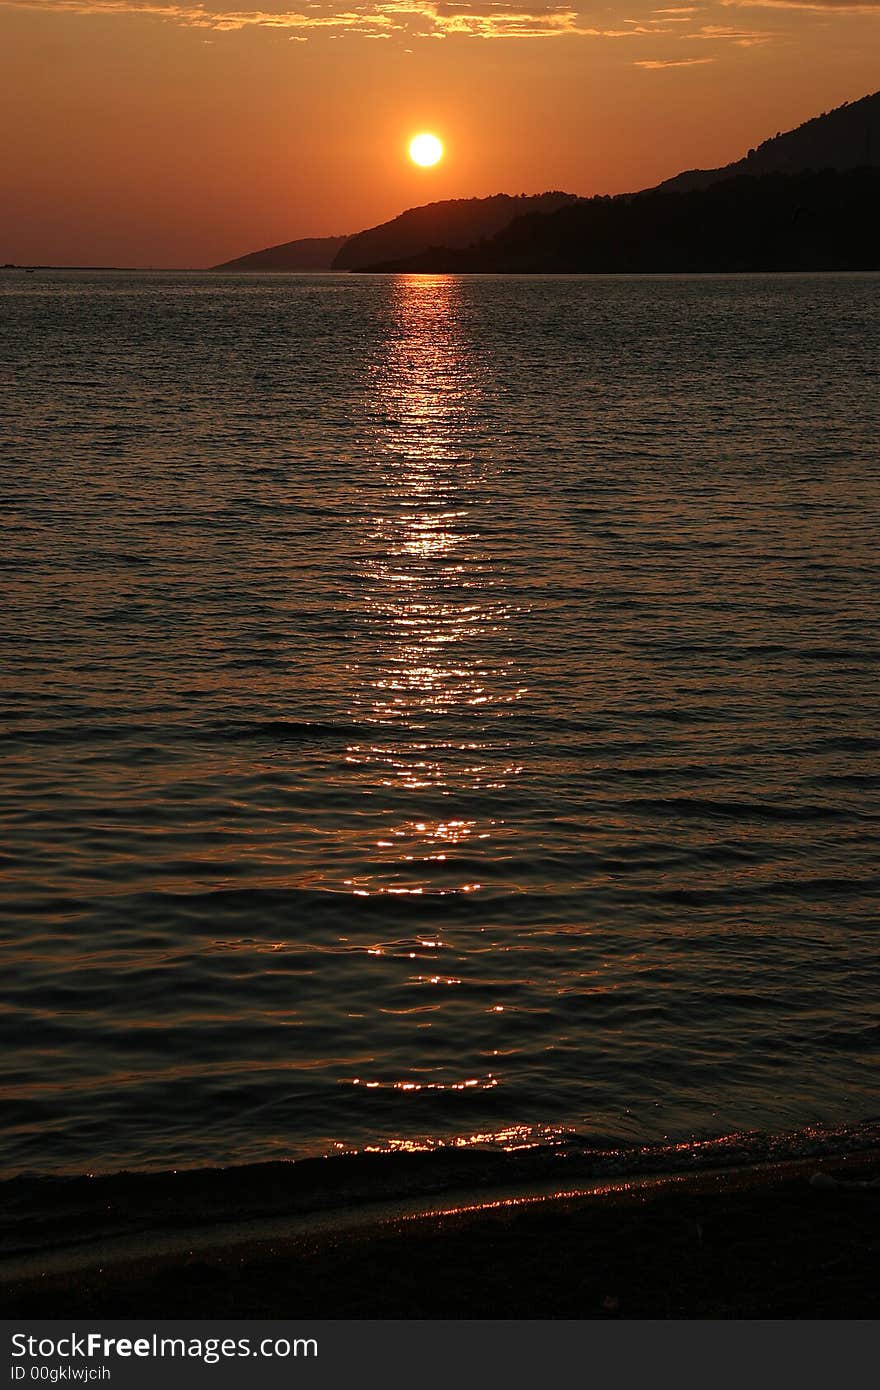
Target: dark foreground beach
point(790, 1239)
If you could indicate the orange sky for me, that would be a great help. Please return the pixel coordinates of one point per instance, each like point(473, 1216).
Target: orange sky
point(174, 133)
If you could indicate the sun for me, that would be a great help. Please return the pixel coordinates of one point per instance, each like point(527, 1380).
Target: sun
point(425, 150)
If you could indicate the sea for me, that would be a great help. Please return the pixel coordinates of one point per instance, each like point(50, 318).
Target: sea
point(437, 713)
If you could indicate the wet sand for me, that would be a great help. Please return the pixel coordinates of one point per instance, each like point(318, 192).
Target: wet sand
point(769, 1241)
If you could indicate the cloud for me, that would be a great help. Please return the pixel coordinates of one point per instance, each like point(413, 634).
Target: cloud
point(487, 21)
point(423, 19)
point(655, 64)
point(199, 16)
point(816, 6)
point(726, 33)
point(492, 19)
point(433, 19)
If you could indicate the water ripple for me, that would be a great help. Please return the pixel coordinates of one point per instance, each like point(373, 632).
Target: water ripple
point(438, 712)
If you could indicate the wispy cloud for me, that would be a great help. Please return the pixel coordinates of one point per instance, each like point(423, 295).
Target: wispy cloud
point(655, 64)
point(423, 19)
point(816, 6)
point(492, 19)
point(196, 16)
point(436, 19)
point(726, 33)
point(486, 21)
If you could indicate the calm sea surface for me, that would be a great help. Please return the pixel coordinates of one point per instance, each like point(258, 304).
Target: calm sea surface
point(435, 710)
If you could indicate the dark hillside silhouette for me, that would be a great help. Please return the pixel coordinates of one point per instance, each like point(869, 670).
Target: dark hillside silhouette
point(772, 225)
point(311, 253)
point(825, 221)
point(846, 138)
point(456, 223)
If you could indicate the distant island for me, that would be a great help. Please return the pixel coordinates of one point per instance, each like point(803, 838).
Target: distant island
point(806, 199)
point(31, 269)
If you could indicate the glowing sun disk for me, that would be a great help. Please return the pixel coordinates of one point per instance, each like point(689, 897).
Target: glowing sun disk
point(425, 150)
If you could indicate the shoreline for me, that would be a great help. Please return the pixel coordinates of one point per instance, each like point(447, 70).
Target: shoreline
point(794, 1236)
point(45, 1211)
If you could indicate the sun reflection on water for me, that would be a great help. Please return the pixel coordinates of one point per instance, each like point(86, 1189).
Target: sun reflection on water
point(513, 1138)
point(437, 678)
